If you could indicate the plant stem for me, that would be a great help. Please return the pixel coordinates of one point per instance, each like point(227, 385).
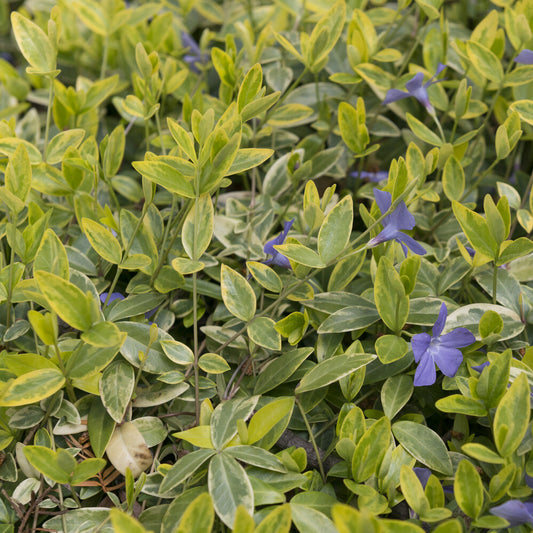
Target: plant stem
point(494, 281)
point(313, 441)
point(48, 114)
point(104, 57)
point(195, 346)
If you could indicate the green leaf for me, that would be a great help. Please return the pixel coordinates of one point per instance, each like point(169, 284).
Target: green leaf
point(184, 468)
point(331, 370)
point(225, 416)
point(413, 491)
point(198, 227)
point(280, 369)
point(184, 139)
point(229, 487)
point(301, 254)
point(177, 352)
point(395, 393)
point(345, 270)
point(34, 44)
point(422, 131)
point(123, 523)
point(424, 445)
point(199, 436)
point(350, 318)
point(18, 176)
point(485, 61)
point(370, 450)
point(59, 144)
point(52, 256)
point(199, 516)
point(116, 388)
point(255, 456)
point(31, 387)
point(336, 229)
point(267, 417)
point(389, 294)
point(87, 469)
point(213, 363)
point(277, 521)
point(104, 335)
point(512, 417)
point(482, 453)
point(468, 489)
point(289, 115)
point(453, 179)
point(457, 403)
point(265, 276)
point(476, 230)
point(501, 482)
point(44, 325)
point(250, 86)
point(390, 348)
point(93, 15)
point(167, 176)
point(262, 331)
point(66, 300)
point(100, 427)
point(114, 151)
point(237, 294)
point(54, 465)
point(247, 158)
point(524, 108)
point(511, 250)
point(310, 520)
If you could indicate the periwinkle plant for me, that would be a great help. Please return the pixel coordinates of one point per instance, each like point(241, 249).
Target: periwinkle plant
point(246, 194)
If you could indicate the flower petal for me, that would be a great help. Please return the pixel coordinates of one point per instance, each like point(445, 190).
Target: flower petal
point(415, 83)
point(114, 296)
point(422, 474)
point(458, 338)
point(280, 239)
point(525, 57)
point(419, 344)
point(383, 199)
point(447, 359)
point(401, 218)
point(425, 373)
point(441, 320)
point(411, 243)
point(514, 511)
point(393, 95)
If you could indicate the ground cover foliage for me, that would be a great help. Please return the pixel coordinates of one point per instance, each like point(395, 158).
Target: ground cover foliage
point(266, 266)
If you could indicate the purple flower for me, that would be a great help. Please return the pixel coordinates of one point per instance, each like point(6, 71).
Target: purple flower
point(194, 56)
point(525, 57)
point(278, 258)
point(399, 219)
point(114, 296)
point(422, 474)
point(515, 512)
point(415, 88)
point(479, 368)
point(442, 350)
point(380, 175)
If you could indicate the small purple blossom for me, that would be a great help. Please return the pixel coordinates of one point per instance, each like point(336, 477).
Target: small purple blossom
point(278, 258)
point(415, 88)
point(398, 220)
point(194, 56)
point(479, 368)
point(442, 350)
point(376, 177)
point(515, 512)
point(525, 57)
point(422, 474)
point(114, 296)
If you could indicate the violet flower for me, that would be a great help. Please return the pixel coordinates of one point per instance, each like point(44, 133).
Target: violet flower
point(376, 177)
point(415, 88)
point(278, 258)
point(442, 350)
point(114, 296)
point(515, 512)
point(194, 56)
point(525, 57)
point(399, 219)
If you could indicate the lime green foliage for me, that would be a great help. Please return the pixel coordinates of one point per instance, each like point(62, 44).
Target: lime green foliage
point(224, 226)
